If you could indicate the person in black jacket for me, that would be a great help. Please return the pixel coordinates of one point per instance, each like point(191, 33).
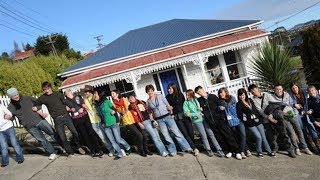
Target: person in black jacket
point(176, 99)
point(215, 117)
point(79, 115)
point(56, 105)
point(314, 106)
point(249, 115)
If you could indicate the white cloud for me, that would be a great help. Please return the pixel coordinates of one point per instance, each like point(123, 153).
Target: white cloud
point(264, 9)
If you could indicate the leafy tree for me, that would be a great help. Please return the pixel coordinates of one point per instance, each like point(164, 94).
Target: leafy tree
point(16, 47)
point(28, 75)
point(28, 47)
point(23, 46)
point(72, 54)
point(310, 54)
point(4, 55)
point(273, 66)
point(60, 43)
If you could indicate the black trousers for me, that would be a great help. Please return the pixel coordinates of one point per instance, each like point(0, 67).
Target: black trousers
point(87, 133)
point(275, 132)
point(185, 126)
point(225, 134)
point(59, 123)
point(141, 135)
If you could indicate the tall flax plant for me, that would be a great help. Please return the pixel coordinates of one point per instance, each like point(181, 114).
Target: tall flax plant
point(273, 66)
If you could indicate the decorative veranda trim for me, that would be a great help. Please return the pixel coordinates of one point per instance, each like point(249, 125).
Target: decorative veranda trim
point(168, 63)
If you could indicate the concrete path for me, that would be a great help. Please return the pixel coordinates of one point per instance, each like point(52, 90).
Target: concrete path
point(156, 167)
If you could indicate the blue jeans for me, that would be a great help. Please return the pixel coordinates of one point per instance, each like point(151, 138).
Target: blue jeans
point(168, 123)
point(297, 130)
point(203, 135)
point(240, 135)
point(307, 126)
point(11, 134)
point(113, 133)
point(153, 132)
point(211, 135)
point(260, 135)
point(37, 133)
point(100, 132)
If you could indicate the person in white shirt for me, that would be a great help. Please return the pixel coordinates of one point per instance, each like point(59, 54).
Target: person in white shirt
point(7, 132)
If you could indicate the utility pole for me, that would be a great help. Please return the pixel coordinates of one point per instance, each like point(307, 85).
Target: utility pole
point(50, 36)
point(99, 38)
point(54, 51)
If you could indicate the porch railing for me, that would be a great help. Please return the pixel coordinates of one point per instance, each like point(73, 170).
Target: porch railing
point(232, 86)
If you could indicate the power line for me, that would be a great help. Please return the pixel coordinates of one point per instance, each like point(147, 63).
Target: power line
point(23, 21)
point(293, 15)
point(22, 14)
point(17, 27)
point(17, 30)
point(30, 9)
point(39, 27)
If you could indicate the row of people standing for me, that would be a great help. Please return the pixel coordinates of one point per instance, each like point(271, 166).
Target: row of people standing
point(222, 119)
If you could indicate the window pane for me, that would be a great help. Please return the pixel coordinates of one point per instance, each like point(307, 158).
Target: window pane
point(236, 69)
point(123, 86)
point(212, 63)
point(230, 57)
point(214, 72)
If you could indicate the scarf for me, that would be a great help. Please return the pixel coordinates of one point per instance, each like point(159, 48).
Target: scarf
point(120, 105)
point(134, 107)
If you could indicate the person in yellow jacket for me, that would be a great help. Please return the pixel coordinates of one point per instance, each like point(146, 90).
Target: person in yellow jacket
point(122, 106)
point(95, 118)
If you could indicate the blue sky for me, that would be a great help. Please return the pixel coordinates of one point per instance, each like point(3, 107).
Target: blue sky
point(83, 20)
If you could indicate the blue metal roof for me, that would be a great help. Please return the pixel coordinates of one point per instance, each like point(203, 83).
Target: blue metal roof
point(158, 36)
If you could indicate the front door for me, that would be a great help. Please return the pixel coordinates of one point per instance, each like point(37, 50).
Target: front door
point(167, 78)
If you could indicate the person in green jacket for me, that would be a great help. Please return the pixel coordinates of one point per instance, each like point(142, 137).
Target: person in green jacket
point(192, 109)
point(110, 124)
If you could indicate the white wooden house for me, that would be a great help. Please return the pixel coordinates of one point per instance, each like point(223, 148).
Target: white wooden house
point(210, 53)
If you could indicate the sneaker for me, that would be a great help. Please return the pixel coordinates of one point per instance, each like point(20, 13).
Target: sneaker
point(52, 156)
point(81, 151)
point(196, 152)
point(110, 154)
point(123, 152)
point(98, 154)
point(149, 153)
point(292, 154)
point(238, 156)
point(307, 151)
point(272, 154)
point(220, 153)
point(20, 162)
point(143, 154)
point(243, 156)
point(229, 155)
point(4, 165)
point(190, 151)
point(248, 153)
point(117, 158)
point(260, 155)
point(128, 152)
point(298, 152)
point(165, 154)
point(210, 153)
point(172, 154)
